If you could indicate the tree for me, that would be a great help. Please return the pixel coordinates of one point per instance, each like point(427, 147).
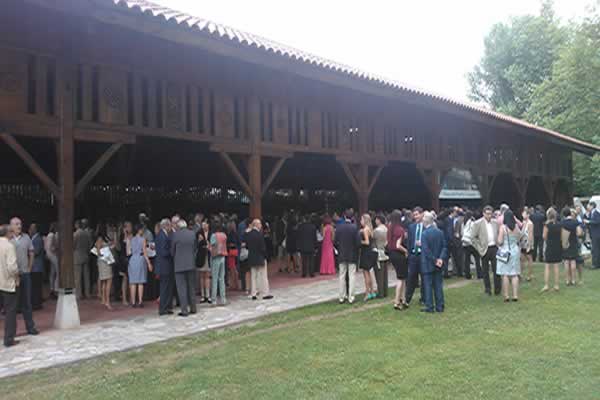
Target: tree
point(518, 56)
point(568, 101)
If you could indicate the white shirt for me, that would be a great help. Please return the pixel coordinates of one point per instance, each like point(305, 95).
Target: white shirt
point(490, 234)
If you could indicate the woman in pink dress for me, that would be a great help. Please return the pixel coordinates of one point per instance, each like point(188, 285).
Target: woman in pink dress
point(327, 256)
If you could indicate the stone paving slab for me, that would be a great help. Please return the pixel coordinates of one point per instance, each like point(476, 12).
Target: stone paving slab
point(59, 347)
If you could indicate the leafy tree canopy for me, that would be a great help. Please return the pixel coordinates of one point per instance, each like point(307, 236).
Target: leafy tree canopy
point(548, 74)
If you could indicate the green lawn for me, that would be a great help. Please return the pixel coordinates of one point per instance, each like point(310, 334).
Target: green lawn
point(545, 347)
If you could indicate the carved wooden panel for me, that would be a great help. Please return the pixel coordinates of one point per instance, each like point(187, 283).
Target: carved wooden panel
point(174, 107)
point(314, 129)
point(112, 96)
point(13, 82)
point(280, 117)
point(223, 115)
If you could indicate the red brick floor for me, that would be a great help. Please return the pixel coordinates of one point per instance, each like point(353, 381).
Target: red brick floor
point(92, 311)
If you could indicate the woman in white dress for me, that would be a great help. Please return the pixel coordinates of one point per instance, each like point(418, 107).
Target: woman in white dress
point(508, 256)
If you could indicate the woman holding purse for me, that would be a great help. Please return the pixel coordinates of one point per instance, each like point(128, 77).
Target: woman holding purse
point(508, 256)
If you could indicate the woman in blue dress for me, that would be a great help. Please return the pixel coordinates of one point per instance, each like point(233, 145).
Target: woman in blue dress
point(509, 239)
point(139, 265)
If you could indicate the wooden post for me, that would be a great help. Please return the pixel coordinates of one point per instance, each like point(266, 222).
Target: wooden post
point(254, 161)
point(66, 200)
point(363, 184)
point(67, 312)
point(254, 174)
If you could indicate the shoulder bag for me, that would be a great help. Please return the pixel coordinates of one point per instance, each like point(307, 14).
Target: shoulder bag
point(503, 256)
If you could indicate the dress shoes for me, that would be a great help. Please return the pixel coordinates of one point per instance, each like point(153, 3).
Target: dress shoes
point(33, 332)
point(11, 344)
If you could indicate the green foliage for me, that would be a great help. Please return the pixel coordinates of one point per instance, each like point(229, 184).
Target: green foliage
point(548, 74)
point(569, 100)
point(518, 56)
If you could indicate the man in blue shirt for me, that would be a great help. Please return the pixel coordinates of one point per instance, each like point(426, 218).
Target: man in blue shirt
point(415, 231)
point(433, 253)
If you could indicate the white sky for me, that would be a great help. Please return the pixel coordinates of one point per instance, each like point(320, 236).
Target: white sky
point(431, 44)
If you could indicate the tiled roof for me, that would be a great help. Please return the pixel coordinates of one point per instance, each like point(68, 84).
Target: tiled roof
point(223, 32)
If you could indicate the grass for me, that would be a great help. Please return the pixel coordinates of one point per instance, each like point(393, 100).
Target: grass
point(544, 347)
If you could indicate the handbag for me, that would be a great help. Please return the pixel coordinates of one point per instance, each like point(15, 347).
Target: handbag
point(504, 255)
point(244, 254)
point(381, 255)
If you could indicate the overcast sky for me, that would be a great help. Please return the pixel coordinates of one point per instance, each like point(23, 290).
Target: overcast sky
point(431, 44)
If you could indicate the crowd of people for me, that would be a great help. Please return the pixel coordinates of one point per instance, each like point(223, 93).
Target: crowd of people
point(206, 256)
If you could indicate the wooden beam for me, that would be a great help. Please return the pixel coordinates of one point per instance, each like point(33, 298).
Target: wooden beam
point(273, 175)
point(98, 165)
point(103, 136)
point(350, 176)
point(31, 163)
point(236, 173)
point(374, 179)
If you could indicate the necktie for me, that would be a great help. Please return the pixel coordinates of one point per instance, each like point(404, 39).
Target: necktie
point(418, 238)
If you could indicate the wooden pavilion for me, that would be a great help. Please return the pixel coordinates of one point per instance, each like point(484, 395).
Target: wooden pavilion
point(112, 99)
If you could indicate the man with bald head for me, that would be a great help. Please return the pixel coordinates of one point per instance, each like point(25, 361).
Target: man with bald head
point(24, 251)
point(257, 261)
point(433, 252)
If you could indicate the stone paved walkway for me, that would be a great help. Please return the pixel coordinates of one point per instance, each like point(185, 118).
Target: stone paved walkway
point(60, 347)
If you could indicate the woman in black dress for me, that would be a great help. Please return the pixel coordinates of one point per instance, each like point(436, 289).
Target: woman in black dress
point(290, 244)
point(572, 229)
point(553, 254)
point(368, 255)
point(203, 262)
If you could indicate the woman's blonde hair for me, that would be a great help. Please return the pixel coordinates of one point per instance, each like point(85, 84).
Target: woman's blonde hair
point(366, 218)
point(551, 215)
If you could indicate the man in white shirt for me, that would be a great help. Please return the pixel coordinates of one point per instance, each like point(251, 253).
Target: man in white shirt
point(24, 251)
point(484, 238)
point(9, 282)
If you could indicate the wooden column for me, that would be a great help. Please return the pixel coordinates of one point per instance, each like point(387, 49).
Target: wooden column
point(522, 184)
point(66, 200)
point(255, 182)
point(550, 186)
point(359, 179)
point(363, 183)
point(432, 179)
point(254, 161)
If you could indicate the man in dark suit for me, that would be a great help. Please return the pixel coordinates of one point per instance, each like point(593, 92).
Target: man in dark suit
point(538, 218)
point(257, 261)
point(347, 242)
point(183, 249)
point(415, 232)
point(164, 267)
point(433, 252)
point(594, 224)
point(306, 241)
